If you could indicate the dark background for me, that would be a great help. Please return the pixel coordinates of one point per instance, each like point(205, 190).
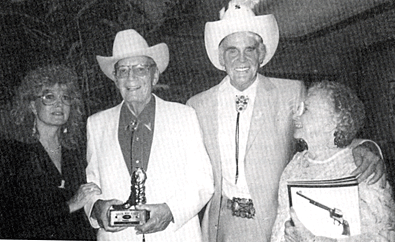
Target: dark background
point(349, 41)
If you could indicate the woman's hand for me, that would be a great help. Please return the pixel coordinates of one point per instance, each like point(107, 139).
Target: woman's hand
point(295, 231)
point(84, 193)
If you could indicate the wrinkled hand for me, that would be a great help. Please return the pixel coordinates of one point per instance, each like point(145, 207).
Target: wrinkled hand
point(295, 231)
point(100, 213)
point(160, 217)
point(84, 194)
point(368, 161)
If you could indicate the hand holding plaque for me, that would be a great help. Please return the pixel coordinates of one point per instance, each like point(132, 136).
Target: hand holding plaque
point(126, 215)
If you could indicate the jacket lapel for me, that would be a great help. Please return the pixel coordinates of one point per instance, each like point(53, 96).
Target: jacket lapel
point(112, 123)
point(263, 109)
point(210, 123)
point(206, 108)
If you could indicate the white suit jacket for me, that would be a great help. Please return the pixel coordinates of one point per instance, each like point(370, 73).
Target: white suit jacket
point(269, 148)
point(179, 171)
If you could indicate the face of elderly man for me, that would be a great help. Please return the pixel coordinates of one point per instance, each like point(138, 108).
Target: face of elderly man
point(135, 78)
point(241, 53)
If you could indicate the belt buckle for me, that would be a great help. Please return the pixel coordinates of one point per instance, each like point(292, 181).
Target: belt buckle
point(241, 207)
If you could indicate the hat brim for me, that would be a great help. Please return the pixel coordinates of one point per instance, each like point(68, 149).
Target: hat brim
point(263, 25)
point(159, 53)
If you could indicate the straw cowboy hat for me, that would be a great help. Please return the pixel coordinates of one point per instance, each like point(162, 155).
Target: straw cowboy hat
point(129, 43)
point(240, 18)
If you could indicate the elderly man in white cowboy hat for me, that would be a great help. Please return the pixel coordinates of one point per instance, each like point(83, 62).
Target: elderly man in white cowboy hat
point(159, 137)
point(247, 126)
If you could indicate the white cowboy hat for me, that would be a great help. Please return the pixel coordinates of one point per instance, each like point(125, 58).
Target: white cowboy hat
point(129, 43)
point(239, 18)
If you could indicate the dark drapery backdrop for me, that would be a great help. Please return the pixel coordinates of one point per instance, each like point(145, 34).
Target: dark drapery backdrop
point(34, 33)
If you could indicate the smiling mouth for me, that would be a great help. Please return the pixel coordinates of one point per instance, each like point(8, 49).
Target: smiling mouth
point(298, 125)
point(242, 69)
point(133, 88)
point(57, 113)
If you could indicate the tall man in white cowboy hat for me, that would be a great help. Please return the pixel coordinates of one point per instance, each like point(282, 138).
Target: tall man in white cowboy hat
point(144, 131)
point(247, 126)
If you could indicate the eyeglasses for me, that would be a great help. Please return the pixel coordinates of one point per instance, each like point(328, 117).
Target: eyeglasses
point(49, 99)
point(300, 110)
point(138, 70)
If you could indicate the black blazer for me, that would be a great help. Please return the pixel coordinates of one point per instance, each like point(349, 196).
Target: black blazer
point(39, 208)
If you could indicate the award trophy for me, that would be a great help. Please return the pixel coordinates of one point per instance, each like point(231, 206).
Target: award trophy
point(126, 215)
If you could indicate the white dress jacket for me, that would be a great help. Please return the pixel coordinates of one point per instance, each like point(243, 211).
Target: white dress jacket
point(269, 149)
point(179, 171)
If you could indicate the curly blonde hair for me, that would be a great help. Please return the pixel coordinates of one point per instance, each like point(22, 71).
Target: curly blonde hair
point(31, 87)
point(348, 110)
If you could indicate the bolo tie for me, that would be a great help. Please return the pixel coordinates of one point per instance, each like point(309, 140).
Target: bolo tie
point(241, 105)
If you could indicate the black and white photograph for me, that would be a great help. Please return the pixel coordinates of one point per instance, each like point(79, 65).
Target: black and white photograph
point(187, 120)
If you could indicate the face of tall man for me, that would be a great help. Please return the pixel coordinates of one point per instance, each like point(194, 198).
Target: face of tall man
point(241, 54)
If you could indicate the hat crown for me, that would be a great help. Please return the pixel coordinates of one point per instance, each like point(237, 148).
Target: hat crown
point(237, 11)
point(128, 41)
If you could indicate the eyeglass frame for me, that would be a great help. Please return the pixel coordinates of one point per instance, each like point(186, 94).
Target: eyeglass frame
point(300, 109)
point(146, 67)
point(61, 97)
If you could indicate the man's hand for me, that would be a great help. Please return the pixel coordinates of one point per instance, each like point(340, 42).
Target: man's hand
point(368, 161)
point(160, 217)
point(295, 231)
point(100, 213)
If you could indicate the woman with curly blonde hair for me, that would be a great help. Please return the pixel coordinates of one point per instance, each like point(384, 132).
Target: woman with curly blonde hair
point(71, 135)
point(50, 179)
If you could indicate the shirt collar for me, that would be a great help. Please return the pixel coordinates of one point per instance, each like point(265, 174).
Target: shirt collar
point(226, 87)
point(146, 117)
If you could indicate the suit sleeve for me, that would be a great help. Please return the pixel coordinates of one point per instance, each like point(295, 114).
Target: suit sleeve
point(356, 142)
point(92, 171)
point(198, 187)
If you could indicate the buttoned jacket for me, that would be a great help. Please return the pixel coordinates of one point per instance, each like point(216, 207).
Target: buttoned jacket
point(178, 174)
point(269, 148)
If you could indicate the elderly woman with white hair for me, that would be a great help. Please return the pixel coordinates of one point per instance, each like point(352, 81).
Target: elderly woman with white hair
point(328, 121)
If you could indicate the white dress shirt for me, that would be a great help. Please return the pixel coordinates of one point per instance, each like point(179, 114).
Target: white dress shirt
point(227, 115)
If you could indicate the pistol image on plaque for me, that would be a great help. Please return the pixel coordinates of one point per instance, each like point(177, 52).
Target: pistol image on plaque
point(126, 215)
point(334, 213)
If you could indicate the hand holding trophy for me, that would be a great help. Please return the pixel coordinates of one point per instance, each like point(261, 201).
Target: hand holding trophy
point(126, 215)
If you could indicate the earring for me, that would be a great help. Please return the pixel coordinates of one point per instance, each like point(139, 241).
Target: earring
point(340, 139)
point(336, 140)
point(65, 131)
point(34, 130)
